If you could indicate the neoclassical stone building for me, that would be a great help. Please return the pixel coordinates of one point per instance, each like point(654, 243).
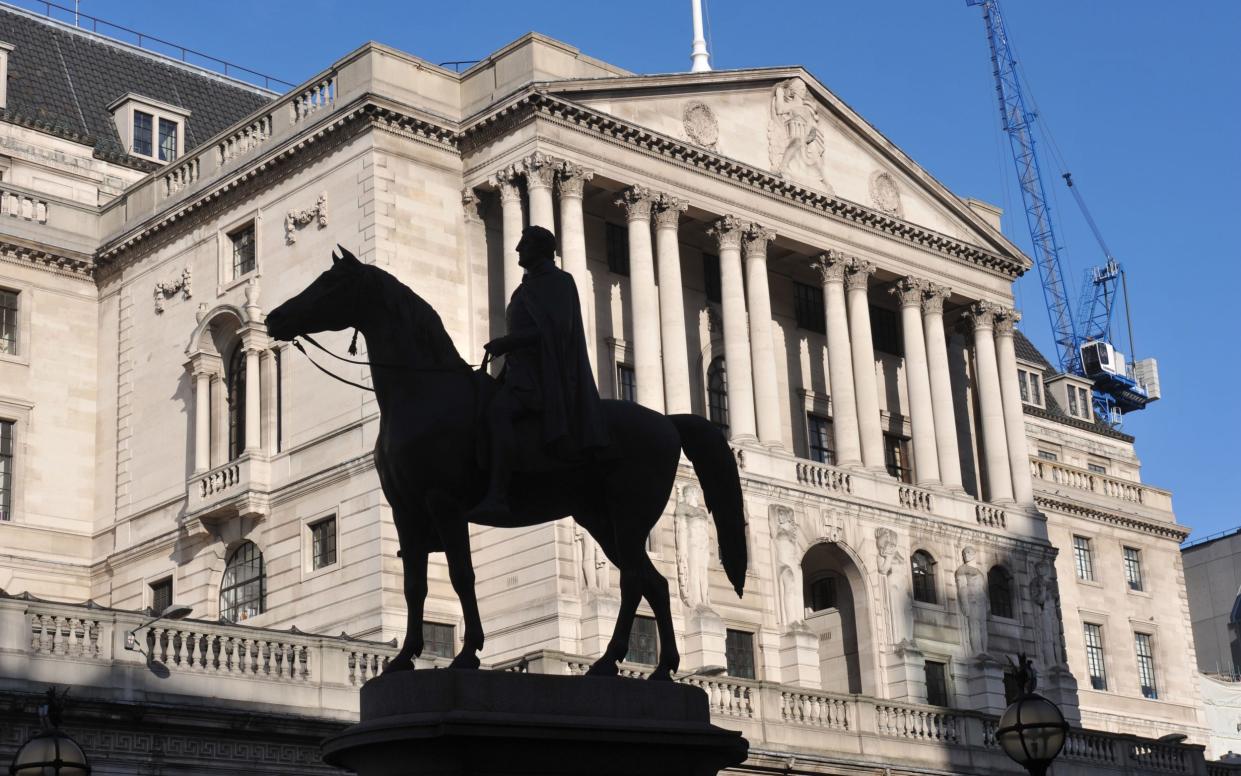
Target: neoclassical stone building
point(925, 496)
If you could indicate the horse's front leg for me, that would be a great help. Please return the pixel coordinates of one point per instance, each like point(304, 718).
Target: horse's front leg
point(454, 532)
point(414, 561)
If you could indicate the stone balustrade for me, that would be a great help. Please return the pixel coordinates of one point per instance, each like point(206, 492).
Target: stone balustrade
point(241, 486)
point(1061, 475)
point(825, 477)
point(916, 499)
point(16, 203)
point(319, 95)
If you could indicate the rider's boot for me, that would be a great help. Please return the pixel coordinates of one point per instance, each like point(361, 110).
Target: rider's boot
point(494, 505)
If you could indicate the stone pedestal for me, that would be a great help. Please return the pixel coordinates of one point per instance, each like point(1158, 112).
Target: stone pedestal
point(436, 723)
point(1059, 685)
point(907, 674)
point(704, 638)
point(799, 658)
point(984, 685)
point(599, 612)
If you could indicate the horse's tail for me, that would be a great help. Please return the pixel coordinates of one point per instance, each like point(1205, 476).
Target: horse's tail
point(716, 468)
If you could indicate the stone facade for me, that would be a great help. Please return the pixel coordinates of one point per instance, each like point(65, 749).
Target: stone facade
point(903, 541)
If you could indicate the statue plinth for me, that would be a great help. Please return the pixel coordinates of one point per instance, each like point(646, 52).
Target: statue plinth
point(434, 722)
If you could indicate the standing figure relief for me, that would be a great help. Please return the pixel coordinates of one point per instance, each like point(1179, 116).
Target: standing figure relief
point(897, 586)
point(693, 544)
point(795, 141)
point(972, 600)
point(788, 567)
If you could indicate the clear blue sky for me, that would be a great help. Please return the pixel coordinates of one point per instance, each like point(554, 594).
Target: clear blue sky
point(1141, 96)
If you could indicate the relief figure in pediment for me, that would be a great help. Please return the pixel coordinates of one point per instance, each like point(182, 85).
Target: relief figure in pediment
point(794, 138)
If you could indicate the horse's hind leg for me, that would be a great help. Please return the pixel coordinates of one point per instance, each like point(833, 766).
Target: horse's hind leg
point(655, 590)
point(454, 532)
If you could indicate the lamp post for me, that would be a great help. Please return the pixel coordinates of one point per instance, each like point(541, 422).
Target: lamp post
point(50, 752)
point(1032, 730)
point(172, 612)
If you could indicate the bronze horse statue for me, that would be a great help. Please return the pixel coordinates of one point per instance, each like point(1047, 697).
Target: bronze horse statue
point(427, 459)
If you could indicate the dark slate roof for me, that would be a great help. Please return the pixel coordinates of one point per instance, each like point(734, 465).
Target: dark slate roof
point(1026, 351)
point(62, 80)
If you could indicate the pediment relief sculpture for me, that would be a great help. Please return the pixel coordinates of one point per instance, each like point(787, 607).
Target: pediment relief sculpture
point(701, 126)
point(795, 139)
point(884, 193)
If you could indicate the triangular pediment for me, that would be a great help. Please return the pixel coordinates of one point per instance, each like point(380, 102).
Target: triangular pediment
point(785, 122)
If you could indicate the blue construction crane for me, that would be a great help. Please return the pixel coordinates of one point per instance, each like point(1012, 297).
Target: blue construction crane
point(1083, 344)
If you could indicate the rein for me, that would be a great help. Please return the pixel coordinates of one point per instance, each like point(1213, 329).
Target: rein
point(372, 364)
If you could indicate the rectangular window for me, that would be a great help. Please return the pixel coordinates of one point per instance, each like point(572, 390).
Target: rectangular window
point(643, 642)
point(936, 683)
point(711, 277)
point(885, 330)
point(1036, 388)
point(1097, 468)
point(626, 383)
point(7, 443)
point(1094, 655)
point(739, 653)
point(1073, 410)
point(1048, 456)
point(1023, 385)
point(323, 543)
point(1133, 567)
point(438, 639)
point(167, 140)
point(618, 248)
point(161, 595)
point(1146, 664)
point(8, 322)
point(820, 429)
point(808, 305)
point(143, 125)
point(1083, 557)
point(242, 241)
point(896, 457)
point(823, 594)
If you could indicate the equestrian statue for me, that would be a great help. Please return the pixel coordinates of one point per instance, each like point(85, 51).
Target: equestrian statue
point(456, 446)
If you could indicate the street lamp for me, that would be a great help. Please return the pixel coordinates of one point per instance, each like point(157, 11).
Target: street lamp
point(172, 612)
point(1032, 730)
point(50, 752)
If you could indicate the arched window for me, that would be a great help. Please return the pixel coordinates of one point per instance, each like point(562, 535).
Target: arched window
point(236, 377)
point(243, 590)
point(922, 565)
point(1000, 591)
point(717, 394)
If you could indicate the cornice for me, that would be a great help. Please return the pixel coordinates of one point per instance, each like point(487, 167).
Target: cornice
point(65, 263)
point(1093, 428)
point(1177, 533)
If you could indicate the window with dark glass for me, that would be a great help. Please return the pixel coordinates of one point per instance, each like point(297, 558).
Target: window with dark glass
point(6, 469)
point(808, 306)
point(236, 381)
point(1000, 591)
point(820, 429)
point(1097, 468)
point(161, 595)
point(1094, 655)
point(243, 250)
point(1133, 567)
point(717, 394)
point(8, 322)
point(438, 639)
point(711, 276)
point(922, 565)
point(739, 653)
point(1146, 664)
point(1036, 388)
point(885, 330)
point(1083, 558)
point(626, 383)
point(896, 457)
point(1073, 410)
point(936, 683)
point(1048, 456)
point(643, 642)
point(323, 543)
point(822, 594)
point(243, 590)
point(167, 140)
point(143, 125)
point(1021, 383)
point(617, 239)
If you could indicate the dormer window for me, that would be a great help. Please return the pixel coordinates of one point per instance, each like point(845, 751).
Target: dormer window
point(150, 129)
point(1031, 384)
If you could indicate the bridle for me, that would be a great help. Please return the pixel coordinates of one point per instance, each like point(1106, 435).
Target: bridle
point(373, 364)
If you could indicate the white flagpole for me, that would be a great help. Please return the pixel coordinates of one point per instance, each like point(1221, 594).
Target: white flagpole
point(701, 60)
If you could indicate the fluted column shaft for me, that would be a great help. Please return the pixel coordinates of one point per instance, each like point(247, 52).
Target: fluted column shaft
point(540, 177)
point(998, 478)
point(741, 425)
point(941, 387)
point(1014, 414)
point(762, 347)
point(254, 402)
point(573, 248)
point(202, 421)
point(672, 306)
point(831, 267)
point(219, 420)
point(866, 387)
point(644, 298)
point(918, 380)
point(511, 218)
point(267, 368)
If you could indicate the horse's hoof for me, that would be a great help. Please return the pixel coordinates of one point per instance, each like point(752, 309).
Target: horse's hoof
point(465, 662)
point(661, 675)
point(399, 664)
point(603, 668)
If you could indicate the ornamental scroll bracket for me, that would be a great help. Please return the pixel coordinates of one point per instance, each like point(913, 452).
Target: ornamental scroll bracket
point(169, 289)
point(296, 219)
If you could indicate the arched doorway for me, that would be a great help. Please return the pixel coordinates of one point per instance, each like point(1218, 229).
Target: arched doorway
point(835, 594)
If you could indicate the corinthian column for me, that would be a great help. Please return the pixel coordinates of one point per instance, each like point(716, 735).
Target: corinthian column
point(994, 444)
point(672, 305)
point(831, 267)
point(918, 380)
point(511, 216)
point(728, 231)
point(762, 348)
point(941, 386)
point(857, 281)
point(1014, 414)
point(644, 298)
point(254, 403)
point(540, 172)
point(573, 247)
point(205, 367)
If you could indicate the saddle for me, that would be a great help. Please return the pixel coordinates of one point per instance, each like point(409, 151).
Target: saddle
point(531, 455)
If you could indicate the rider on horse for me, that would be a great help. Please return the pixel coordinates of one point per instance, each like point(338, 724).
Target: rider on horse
point(546, 370)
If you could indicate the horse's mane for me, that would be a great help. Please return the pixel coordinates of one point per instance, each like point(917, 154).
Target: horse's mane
point(415, 319)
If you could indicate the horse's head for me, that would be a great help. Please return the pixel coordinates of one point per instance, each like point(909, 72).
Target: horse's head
point(330, 303)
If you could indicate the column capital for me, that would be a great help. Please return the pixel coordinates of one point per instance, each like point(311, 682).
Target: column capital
point(933, 299)
point(858, 275)
point(909, 290)
point(505, 179)
point(755, 238)
point(1005, 318)
point(204, 363)
point(727, 231)
point(573, 178)
point(469, 203)
point(668, 210)
point(540, 170)
point(831, 267)
point(982, 315)
point(637, 201)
